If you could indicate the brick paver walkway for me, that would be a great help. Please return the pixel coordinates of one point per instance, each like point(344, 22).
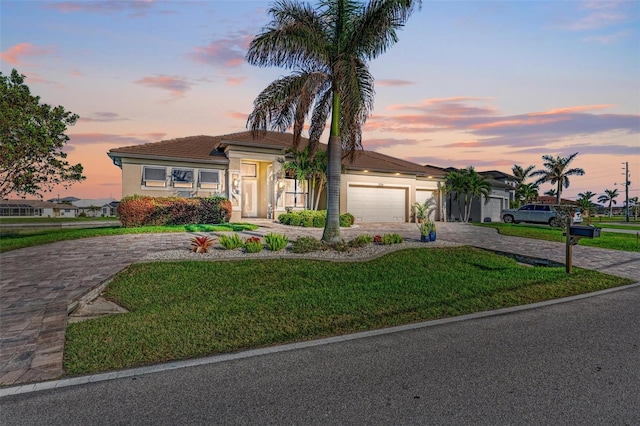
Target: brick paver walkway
point(38, 284)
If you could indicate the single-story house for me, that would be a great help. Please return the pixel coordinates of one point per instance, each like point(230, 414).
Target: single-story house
point(374, 187)
point(36, 208)
point(95, 207)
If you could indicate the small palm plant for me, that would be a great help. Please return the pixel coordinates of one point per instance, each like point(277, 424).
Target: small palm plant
point(201, 244)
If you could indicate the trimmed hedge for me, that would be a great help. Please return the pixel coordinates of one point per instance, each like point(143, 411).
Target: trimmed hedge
point(313, 219)
point(141, 210)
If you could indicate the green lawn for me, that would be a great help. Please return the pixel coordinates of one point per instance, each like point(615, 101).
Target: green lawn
point(6, 220)
point(15, 239)
point(607, 240)
point(190, 309)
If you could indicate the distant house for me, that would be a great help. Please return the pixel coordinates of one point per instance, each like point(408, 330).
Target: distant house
point(95, 207)
point(374, 187)
point(65, 200)
point(36, 208)
point(551, 199)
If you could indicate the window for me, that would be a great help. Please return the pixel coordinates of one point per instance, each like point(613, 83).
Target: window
point(209, 179)
point(295, 193)
point(249, 170)
point(182, 178)
point(543, 208)
point(154, 176)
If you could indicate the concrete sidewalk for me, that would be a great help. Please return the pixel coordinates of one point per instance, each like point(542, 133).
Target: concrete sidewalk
point(38, 284)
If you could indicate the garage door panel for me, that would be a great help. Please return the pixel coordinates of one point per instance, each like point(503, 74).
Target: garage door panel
point(376, 204)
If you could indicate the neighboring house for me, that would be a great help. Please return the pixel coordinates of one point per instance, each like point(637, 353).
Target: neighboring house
point(549, 199)
point(374, 187)
point(36, 208)
point(503, 186)
point(96, 207)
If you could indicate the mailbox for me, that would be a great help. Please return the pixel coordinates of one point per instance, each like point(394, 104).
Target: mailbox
point(584, 231)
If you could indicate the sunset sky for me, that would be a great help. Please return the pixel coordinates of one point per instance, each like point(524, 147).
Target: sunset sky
point(487, 84)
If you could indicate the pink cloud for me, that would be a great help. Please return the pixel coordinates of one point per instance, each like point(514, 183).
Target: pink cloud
point(466, 144)
point(135, 8)
point(102, 117)
point(235, 81)
point(456, 106)
point(237, 115)
point(15, 55)
point(578, 108)
point(370, 143)
point(115, 140)
point(177, 86)
point(393, 83)
point(223, 53)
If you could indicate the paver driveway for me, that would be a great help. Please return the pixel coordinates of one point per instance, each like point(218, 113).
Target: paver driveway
point(38, 284)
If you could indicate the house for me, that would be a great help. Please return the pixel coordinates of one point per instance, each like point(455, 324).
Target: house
point(65, 200)
point(95, 207)
point(551, 199)
point(503, 186)
point(36, 208)
point(374, 187)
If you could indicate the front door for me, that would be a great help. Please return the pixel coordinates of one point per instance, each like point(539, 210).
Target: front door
point(249, 197)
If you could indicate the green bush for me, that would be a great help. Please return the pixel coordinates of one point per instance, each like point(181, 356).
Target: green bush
point(312, 219)
point(307, 245)
point(388, 239)
point(230, 242)
point(253, 245)
point(276, 242)
point(361, 241)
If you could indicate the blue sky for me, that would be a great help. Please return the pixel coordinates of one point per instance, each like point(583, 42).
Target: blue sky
point(483, 83)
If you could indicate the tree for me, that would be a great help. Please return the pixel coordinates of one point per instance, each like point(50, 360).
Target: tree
point(585, 203)
point(467, 185)
point(327, 49)
point(31, 141)
point(551, 192)
point(556, 172)
point(521, 175)
point(609, 196)
point(527, 192)
point(309, 169)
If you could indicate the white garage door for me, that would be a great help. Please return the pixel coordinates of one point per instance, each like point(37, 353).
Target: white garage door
point(377, 204)
point(492, 210)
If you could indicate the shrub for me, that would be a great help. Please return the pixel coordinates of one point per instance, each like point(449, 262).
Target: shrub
point(312, 218)
point(230, 242)
point(389, 239)
point(138, 210)
point(201, 244)
point(342, 246)
point(276, 242)
point(361, 241)
point(307, 245)
point(253, 245)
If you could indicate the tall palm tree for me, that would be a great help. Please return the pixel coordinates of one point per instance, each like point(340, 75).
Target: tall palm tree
point(556, 172)
point(584, 201)
point(609, 196)
point(467, 184)
point(327, 49)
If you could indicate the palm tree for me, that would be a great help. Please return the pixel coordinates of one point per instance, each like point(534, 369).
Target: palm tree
point(551, 192)
point(522, 174)
point(527, 192)
point(555, 172)
point(584, 201)
point(327, 49)
point(467, 184)
point(609, 196)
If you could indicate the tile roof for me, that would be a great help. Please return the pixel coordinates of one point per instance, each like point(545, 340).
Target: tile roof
point(207, 148)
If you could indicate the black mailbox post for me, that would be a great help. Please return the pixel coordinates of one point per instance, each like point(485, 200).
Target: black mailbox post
point(574, 233)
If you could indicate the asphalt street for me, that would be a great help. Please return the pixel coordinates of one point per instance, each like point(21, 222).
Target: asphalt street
point(573, 363)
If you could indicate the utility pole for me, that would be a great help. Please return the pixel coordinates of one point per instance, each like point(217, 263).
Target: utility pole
point(626, 190)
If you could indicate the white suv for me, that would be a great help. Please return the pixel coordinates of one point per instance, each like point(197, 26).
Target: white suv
point(536, 213)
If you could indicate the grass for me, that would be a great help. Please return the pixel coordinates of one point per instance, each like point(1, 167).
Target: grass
point(181, 310)
point(16, 239)
point(607, 240)
point(7, 220)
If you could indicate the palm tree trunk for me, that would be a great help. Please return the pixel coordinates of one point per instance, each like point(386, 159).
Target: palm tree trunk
point(559, 192)
point(331, 233)
point(319, 193)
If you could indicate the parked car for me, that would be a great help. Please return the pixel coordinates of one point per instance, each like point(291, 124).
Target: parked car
point(537, 213)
